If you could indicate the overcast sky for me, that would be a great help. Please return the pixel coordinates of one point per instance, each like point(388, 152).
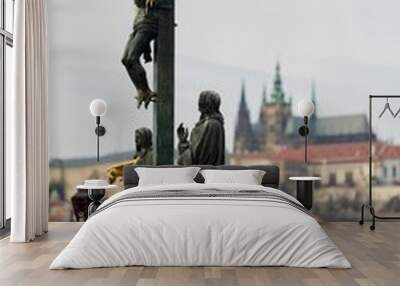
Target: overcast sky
point(350, 48)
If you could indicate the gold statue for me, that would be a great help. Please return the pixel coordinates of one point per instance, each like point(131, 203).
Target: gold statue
point(143, 155)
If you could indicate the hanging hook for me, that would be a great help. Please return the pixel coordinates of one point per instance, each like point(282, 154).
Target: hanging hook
point(387, 107)
point(397, 113)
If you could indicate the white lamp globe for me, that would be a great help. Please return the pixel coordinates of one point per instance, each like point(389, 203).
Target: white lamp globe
point(305, 107)
point(98, 107)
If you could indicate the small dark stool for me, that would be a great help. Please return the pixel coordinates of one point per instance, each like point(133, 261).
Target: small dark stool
point(87, 199)
point(304, 190)
point(80, 203)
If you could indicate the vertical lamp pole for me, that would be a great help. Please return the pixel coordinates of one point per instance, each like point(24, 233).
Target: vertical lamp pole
point(306, 108)
point(98, 137)
point(305, 138)
point(98, 108)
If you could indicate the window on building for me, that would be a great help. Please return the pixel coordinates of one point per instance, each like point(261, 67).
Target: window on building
point(385, 172)
point(394, 172)
point(332, 179)
point(317, 183)
point(6, 63)
point(349, 179)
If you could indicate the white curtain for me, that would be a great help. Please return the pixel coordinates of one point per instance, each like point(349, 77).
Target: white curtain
point(26, 119)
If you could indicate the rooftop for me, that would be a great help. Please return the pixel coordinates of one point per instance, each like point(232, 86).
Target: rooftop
point(331, 153)
point(332, 125)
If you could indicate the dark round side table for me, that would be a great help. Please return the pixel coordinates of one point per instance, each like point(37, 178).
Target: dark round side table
point(96, 194)
point(304, 190)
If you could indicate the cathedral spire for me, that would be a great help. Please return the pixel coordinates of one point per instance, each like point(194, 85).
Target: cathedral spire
point(244, 137)
point(278, 95)
point(264, 95)
point(243, 103)
point(313, 93)
point(314, 99)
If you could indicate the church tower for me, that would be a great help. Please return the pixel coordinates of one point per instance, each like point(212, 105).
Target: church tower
point(260, 131)
point(275, 114)
point(244, 136)
point(312, 124)
point(314, 100)
point(264, 95)
point(278, 95)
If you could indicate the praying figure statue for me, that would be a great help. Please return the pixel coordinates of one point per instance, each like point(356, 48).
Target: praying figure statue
point(207, 139)
point(143, 155)
point(145, 29)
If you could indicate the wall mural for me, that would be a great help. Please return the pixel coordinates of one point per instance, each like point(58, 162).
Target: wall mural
point(145, 30)
point(143, 155)
point(207, 139)
point(253, 71)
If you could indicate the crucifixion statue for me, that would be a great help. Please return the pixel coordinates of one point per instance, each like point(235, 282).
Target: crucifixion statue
point(145, 30)
point(155, 21)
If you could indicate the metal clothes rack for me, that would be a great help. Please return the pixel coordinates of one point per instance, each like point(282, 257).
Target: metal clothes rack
point(370, 202)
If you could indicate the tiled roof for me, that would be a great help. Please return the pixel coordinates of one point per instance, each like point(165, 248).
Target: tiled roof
point(90, 161)
point(389, 152)
point(347, 152)
point(332, 153)
point(332, 126)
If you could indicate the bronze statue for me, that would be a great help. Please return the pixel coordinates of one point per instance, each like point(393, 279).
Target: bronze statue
point(143, 155)
point(145, 29)
point(207, 139)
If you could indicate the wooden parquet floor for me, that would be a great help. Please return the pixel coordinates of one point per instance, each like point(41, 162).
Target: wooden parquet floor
point(375, 257)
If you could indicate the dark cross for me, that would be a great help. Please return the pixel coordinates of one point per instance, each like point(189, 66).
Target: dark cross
point(164, 85)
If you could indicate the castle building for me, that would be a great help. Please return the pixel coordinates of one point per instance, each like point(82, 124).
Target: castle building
point(335, 142)
point(277, 127)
